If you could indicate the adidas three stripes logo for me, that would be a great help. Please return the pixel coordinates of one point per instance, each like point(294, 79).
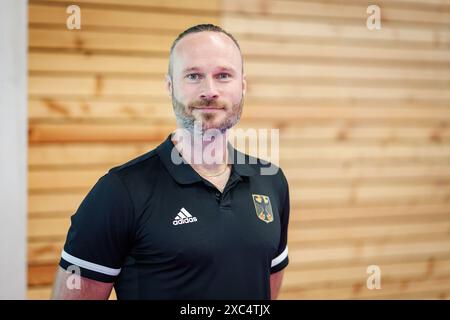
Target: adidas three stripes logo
point(183, 217)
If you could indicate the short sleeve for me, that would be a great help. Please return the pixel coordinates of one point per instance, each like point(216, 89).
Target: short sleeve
point(281, 260)
point(100, 234)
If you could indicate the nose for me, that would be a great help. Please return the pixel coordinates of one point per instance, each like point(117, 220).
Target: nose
point(209, 91)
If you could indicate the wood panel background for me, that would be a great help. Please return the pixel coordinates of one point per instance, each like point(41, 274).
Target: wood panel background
point(363, 115)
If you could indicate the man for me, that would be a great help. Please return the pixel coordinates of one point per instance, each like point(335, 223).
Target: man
point(157, 229)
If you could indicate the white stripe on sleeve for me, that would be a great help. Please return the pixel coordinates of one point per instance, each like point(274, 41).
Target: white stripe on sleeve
point(280, 257)
point(89, 265)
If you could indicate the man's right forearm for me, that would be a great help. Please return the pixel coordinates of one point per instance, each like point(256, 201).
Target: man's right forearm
point(88, 289)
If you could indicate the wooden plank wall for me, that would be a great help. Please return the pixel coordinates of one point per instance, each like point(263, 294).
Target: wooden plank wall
point(364, 119)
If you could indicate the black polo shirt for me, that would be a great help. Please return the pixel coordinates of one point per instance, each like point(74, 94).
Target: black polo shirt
point(160, 231)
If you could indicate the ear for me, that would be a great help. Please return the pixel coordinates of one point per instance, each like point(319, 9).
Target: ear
point(169, 85)
point(244, 84)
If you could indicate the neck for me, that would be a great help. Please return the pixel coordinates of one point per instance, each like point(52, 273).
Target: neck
point(203, 152)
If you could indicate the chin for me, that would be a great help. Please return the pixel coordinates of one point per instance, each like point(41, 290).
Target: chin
point(213, 126)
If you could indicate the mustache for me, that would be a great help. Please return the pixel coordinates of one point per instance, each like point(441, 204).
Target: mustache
point(207, 103)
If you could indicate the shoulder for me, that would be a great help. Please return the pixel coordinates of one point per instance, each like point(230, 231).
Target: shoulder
point(138, 176)
point(263, 172)
point(147, 163)
point(263, 169)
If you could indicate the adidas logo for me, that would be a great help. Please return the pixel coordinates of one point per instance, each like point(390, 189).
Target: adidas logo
point(183, 217)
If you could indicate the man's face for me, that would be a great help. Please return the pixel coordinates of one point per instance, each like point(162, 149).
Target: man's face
point(207, 83)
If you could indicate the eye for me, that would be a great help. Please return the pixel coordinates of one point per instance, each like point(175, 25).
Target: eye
point(224, 76)
point(193, 76)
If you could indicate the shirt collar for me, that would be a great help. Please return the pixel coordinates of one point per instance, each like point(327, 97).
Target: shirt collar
point(183, 173)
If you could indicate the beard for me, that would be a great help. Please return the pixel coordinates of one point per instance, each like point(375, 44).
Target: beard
point(207, 120)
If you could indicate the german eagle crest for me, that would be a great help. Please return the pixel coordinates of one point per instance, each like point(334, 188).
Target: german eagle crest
point(263, 207)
